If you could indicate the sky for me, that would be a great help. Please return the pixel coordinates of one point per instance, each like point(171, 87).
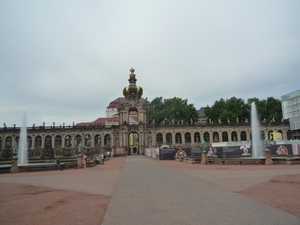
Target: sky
point(63, 61)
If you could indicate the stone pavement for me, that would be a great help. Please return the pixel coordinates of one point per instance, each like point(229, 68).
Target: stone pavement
point(146, 191)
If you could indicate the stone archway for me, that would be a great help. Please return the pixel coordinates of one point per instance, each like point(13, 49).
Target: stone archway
point(133, 142)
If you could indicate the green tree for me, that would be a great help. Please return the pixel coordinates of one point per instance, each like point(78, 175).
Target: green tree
point(273, 109)
point(267, 108)
point(227, 110)
point(173, 109)
point(215, 110)
point(233, 108)
point(156, 110)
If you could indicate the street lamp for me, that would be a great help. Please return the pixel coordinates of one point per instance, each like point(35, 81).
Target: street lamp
point(15, 149)
point(204, 144)
point(79, 148)
point(267, 143)
point(87, 138)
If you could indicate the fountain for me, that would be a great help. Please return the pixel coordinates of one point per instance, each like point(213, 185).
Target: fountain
point(23, 149)
point(257, 148)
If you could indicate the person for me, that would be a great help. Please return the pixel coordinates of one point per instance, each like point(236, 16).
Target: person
point(57, 162)
point(97, 160)
point(84, 160)
point(102, 158)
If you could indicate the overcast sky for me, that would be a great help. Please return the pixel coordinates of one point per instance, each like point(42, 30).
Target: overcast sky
point(63, 61)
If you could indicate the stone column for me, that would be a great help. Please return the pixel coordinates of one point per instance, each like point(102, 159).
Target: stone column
point(53, 141)
point(182, 139)
point(63, 140)
point(269, 160)
point(14, 165)
point(43, 140)
point(238, 136)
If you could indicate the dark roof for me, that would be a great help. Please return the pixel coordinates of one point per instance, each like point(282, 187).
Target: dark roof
point(201, 112)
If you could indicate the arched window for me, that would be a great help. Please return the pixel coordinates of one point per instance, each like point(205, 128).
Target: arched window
point(29, 142)
point(48, 141)
point(206, 137)
point(78, 140)
point(97, 140)
point(38, 141)
point(234, 136)
point(197, 138)
point(8, 142)
point(58, 141)
point(68, 140)
point(224, 136)
point(159, 139)
point(270, 135)
point(169, 138)
point(107, 139)
point(87, 140)
point(187, 137)
point(178, 138)
point(216, 136)
point(243, 136)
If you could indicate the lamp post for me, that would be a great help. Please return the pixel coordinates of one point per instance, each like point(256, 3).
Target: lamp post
point(15, 150)
point(87, 140)
point(79, 148)
point(68, 142)
point(14, 164)
point(269, 160)
point(267, 143)
point(79, 158)
point(204, 160)
point(204, 145)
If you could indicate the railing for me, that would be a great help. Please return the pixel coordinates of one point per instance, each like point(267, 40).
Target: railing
point(148, 125)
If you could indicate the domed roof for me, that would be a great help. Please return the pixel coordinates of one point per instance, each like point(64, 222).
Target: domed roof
point(132, 90)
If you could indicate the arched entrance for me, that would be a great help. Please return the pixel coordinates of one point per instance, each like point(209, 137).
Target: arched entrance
point(133, 141)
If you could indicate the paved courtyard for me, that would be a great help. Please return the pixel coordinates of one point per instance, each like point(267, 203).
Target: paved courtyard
point(140, 190)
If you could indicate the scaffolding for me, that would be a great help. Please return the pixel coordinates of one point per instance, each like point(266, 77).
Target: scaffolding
point(290, 104)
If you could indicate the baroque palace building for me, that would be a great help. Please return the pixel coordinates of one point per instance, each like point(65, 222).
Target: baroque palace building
point(126, 130)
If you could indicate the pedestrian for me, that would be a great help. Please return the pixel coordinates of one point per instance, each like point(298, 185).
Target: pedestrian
point(84, 160)
point(57, 162)
point(102, 158)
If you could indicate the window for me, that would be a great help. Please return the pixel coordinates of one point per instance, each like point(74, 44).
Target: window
point(159, 139)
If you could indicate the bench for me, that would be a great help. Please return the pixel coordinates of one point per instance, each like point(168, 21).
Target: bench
point(45, 166)
point(239, 161)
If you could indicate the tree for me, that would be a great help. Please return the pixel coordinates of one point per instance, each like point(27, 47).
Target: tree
point(267, 109)
point(156, 110)
point(233, 108)
point(172, 110)
point(273, 109)
point(227, 110)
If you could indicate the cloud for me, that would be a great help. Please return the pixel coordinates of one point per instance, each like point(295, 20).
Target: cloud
point(65, 61)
